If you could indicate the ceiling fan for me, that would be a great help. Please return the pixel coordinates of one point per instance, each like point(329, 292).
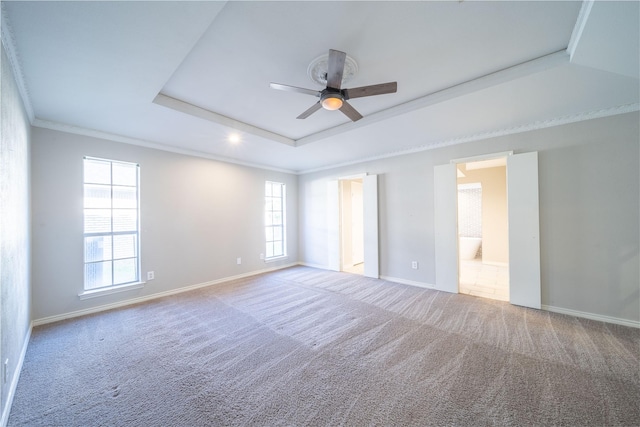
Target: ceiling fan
point(333, 97)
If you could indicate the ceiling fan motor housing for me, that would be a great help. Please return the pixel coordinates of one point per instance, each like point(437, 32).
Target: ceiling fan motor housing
point(331, 99)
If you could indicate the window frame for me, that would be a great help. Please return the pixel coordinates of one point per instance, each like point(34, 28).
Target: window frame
point(282, 237)
point(136, 282)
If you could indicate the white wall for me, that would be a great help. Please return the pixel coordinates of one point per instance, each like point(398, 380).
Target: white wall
point(197, 217)
point(15, 296)
point(589, 210)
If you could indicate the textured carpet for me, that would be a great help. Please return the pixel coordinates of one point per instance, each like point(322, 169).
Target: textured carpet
point(303, 346)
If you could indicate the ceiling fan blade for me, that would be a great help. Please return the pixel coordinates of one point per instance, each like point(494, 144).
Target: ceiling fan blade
point(335, 68)
point(380, 89)
point(350, 112)
point(294, 89)
point(315, 107)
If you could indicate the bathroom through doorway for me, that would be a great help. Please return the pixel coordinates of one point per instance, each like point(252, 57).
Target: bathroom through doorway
point(483, 230)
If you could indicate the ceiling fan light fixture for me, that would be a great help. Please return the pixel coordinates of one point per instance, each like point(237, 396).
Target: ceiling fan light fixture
point(332, 103)
point(333, 97)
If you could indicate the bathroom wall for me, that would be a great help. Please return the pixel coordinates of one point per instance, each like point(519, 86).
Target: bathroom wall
point(495, 228)
point(470, 210)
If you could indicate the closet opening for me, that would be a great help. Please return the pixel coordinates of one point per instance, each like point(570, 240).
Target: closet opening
point(352, 226)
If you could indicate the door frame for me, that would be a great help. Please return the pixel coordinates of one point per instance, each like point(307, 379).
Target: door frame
point(370, 223)
point(524, 231)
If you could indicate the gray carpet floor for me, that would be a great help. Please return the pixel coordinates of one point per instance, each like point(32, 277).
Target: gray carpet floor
point(307, 347)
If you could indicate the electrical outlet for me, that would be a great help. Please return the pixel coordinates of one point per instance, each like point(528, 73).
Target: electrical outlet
point(150, 275)
point(5, 369)
point(239, 261)
point(414, 265)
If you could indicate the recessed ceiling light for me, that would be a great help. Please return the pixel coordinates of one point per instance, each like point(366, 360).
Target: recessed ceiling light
point(234, 138)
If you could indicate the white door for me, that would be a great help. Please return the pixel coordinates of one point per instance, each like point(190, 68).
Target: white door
point(446, 227)
point(357, 227)
point(333, 225)
point(524, 230)
point(370, 225)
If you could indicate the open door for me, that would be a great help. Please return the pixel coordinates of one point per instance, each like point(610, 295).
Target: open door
point(445, 189)
point(357, 226)
point(524, 230)
point(370, 225)
point(333, 225)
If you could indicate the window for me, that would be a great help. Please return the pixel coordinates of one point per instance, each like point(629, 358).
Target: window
point(274, 203)
point(111, 238)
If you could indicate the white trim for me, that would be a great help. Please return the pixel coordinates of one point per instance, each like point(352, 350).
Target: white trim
point(93, 293)
point(83, 312)
point(202, 113)
point(592, 316)
point(543, 124)
point(45, 124)
point(276, 258)
point(318, 266)
point(409, 282)
point(352, 177)
point(578, 28)
point(16, 376)
point(482, 157)
point(559, 310)
point(8, 41)
point(528, 127)
point(498, 77)
point(370, 226)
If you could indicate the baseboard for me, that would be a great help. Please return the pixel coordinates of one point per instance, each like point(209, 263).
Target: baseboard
point(408, 282)
point(56, 318)
point(560, 310)
point(321, 267)
point(14, 382)
point(84, 312)
point(592, 316)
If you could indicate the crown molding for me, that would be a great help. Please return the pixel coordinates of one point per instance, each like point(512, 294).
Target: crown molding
point(581, 22)
point(542, 124)
point(45, 124)
point(8, 41)
point(195, 111)
point(498, 77)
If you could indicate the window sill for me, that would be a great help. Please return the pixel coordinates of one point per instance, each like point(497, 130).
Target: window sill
point(277, 258)
point(93, 293)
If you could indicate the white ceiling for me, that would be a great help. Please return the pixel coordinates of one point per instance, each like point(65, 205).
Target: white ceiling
point(183, 76)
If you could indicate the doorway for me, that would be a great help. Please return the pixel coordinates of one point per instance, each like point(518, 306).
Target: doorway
point(371, 265)
point(523, 230)
point(483, 230)
point(352, 225)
